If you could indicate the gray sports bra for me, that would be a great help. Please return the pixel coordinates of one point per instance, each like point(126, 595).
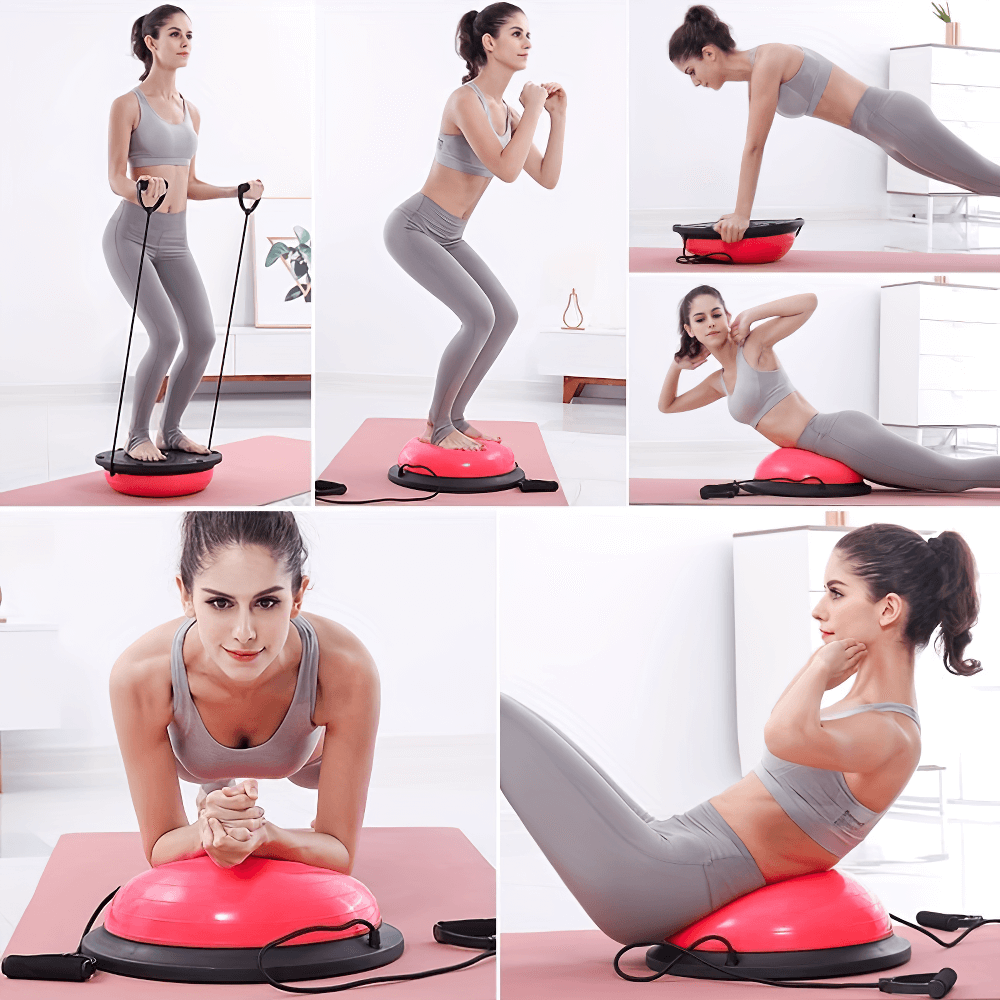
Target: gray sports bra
point(819, 802)
point(800, 95)
point(155, 141)
point(201, 758)
point(755, 392)
point(454, 150)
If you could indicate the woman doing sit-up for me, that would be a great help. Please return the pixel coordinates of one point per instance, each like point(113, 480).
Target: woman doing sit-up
point(795, 81)
point(827, 775)
point(760, 394)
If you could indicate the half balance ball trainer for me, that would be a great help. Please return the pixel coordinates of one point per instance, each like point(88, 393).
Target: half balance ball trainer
point(764, 242)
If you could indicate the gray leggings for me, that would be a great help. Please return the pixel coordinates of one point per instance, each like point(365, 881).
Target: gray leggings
point(638, 878)
point(426, 242)
point(907, 130)
point(171, 294)
point(882, 456)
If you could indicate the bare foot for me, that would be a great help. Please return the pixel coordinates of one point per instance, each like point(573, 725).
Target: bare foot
point(181, 442)
point(455, 441)
point(146, 451)
point(477, 435)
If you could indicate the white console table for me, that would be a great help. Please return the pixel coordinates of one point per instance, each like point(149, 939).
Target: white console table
point(28, 658)
point(582, 357)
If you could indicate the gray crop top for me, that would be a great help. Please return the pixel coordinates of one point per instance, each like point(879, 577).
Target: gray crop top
point(800, 95)
point(155, 141)
point(288, 749)
point(755, 392)
point(454, 150)
point(818, 801)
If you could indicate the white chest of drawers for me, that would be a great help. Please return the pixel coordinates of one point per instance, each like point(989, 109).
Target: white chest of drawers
point(962, 87)
point(939, 351)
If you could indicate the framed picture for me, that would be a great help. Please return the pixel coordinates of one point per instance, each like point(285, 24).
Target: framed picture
point(281, 241)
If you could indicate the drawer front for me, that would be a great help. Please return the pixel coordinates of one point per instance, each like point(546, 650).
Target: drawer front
point(967, 305)
point(941, 406)
point(967, 66)
point(938, 371)
point(956, 102)
point(970, 340)
point(273, 354)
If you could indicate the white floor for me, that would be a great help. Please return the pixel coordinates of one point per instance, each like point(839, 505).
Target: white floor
point(653, 228)
point(58, 432)
point(586, 441)
point(416, 785)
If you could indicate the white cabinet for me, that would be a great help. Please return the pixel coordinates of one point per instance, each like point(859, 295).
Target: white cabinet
point(28, 676)
point(962, 87)
point(778, 578)
point(939, 347)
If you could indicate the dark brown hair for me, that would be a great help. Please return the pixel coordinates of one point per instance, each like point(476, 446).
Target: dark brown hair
point(472, 27)
point(936, 577)
point(204, 532)
point(701, 27)
point(691, 347)
point(150, 24)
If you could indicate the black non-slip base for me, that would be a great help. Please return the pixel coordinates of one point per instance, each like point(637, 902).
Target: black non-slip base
point(757, 227)
point(822, 963)
point(288, 963)
point(444, 484)
point(176, 463)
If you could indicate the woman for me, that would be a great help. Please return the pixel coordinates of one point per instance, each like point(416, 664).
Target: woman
point(480, 138)
point(795, 81)
point(826, 777)
point(761, 395)
point(246, 686)
point(154, 134)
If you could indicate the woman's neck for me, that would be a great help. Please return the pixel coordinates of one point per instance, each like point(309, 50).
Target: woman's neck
point(493, 80)
point(885, 675)
point(725, 353)
point(737, 66)
point(160, 83)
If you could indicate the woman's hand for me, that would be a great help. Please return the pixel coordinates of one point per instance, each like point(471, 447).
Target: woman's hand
point(838, 660)
point(155, 187)
point(228, 848)
point(739, 328)
point(255, 192)
point(232, 807)
point(533, 97)
point(732, 227)
point(699, 359)
point(555, 103)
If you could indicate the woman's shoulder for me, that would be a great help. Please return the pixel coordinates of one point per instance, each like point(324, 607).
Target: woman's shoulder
point(776, 54)
point(343, 658)
point(127, 105)
point(141, 674)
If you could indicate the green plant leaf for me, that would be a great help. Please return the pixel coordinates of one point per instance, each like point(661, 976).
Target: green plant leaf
point(307, 253)
point(293, 293)
point(276, 251)
point(302, 234)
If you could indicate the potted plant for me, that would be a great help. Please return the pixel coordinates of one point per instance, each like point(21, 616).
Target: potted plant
point(952, 29)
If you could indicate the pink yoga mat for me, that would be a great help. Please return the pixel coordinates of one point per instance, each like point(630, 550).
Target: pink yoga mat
point(261, 470)
point(576, 965)
point(670, 491)
point(657, 260)
point(363, 462)
point(419, 875)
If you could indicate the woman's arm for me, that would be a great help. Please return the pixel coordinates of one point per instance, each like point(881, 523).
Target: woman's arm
point(505, 163)
point(199, 190)
point(784, 317)
point(705, 392)
point(348, 705)
point(764, 83)
point(124, 118)
point(545, 169)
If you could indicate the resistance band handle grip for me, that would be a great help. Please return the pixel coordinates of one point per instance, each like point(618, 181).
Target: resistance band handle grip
point(476, 933)
point(722, 491)
point(141, 186)
point(328, 488)
point(538, 486)
point(68, 968)
point(931, 984)
point(946, 921)
point(242, 190)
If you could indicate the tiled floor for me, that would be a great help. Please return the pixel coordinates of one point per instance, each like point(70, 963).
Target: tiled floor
point(58, 433)
point(586, 441)
point(652, 228)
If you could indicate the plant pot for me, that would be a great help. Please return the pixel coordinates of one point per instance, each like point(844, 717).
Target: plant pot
point(952, 33)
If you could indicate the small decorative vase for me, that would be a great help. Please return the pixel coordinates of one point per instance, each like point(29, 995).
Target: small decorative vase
point(952, 33)
point(572, 320)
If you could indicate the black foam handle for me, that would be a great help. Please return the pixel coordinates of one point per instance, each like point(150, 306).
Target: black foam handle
point(722, 491)
point(480, 933)
point(141, 186)
point(946, 921)
point(67, 968)
point(931, 984)
point(328, 488)
point(242, 190)
point(942, 983)
point(538, 486)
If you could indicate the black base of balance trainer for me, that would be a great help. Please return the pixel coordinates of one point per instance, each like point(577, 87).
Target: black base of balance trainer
point(445, 484)
point(763, 487)
point(821, 963)
point(176, 463)
point(289, 963)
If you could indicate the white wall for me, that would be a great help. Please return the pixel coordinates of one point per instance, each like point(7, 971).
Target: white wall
point(832, 360)
point(64, 320)
point(384, 71)
point(107, 577)
point(686, 143)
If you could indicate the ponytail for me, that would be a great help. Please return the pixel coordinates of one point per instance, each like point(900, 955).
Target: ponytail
point(959, 609)
point(470, 31)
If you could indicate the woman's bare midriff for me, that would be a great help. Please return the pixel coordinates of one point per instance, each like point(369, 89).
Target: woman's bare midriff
point(840, 99)
point(456, 192)
point(784, 423)
point(176, 177)
point(779, 847)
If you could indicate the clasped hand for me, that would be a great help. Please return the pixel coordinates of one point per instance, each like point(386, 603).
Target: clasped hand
point(230, 823)
point(838, 660)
